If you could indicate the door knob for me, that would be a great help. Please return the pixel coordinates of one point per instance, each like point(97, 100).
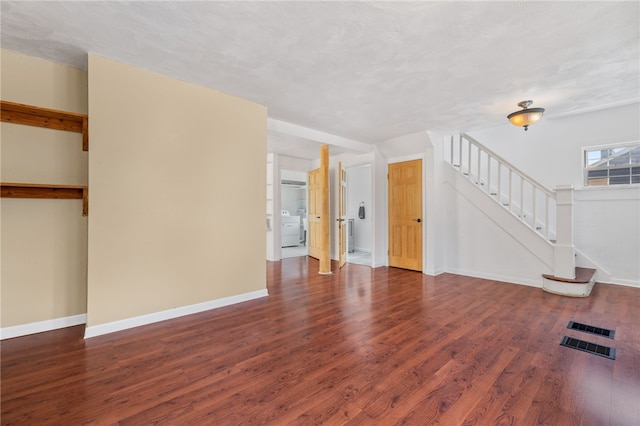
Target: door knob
point(417, 220)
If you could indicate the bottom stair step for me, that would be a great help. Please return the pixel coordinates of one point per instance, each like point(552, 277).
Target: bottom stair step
point(579, 286)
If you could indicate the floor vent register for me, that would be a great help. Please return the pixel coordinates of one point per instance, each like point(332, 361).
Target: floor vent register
point(591, 329)
point(589, 347)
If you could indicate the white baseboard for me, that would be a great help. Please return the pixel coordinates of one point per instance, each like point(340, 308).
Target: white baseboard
point(433, 271)
point(498, 277)
point(619, 281)
point(362, 249)
point(41, 326)
point(111, 327)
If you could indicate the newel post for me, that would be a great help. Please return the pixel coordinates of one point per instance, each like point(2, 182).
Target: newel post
point(564, 257)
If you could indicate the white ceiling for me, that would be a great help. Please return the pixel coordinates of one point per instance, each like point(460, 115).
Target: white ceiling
point(366, 71)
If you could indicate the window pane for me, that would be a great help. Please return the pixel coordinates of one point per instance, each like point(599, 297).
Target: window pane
point(635, 179)
point(620, 159)
point(619, 180)
point(626, 171)
point(597, 173)
point(597, 181)
point(635, 170)
point(593, 157)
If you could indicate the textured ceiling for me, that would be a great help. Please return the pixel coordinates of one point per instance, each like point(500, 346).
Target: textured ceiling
point(367, 71)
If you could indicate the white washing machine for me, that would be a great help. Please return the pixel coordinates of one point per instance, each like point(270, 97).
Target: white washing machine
point(290, 231)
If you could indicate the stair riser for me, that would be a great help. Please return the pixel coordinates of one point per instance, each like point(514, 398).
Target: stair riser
point(568, 289)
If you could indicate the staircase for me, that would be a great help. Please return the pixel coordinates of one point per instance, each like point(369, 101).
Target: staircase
point(547, 214)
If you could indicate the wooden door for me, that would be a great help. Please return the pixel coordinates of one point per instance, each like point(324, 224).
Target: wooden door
point(405, 215)
point(313, 215)
point(342, 215)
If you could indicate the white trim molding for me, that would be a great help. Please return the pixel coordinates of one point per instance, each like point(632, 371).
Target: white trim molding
point(41, 326)
point(410, 157)
point(621, 281)
point(507, 279)
point(112, 327)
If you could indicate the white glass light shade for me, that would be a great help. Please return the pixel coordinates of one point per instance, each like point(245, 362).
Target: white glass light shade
point(526, 116)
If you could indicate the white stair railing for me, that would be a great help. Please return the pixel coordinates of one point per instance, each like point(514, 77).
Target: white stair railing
point(528, 200)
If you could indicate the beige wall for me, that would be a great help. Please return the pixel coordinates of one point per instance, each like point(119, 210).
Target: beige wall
point(177, 193)
point(44, 242)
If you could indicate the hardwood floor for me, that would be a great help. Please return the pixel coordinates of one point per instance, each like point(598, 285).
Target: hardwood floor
point(362, 346)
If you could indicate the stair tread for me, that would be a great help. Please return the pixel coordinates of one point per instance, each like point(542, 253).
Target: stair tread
point(583, 275)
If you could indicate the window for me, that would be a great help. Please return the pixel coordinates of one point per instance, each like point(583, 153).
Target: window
point(614, 165)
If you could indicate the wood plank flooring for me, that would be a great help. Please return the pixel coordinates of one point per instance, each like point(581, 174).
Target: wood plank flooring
point(362, 346)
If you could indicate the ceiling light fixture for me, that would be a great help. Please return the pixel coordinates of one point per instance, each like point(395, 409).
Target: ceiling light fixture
point(526, 116)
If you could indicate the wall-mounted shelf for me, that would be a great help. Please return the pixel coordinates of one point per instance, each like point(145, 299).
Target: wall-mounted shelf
point(29, 115)
point(44, 117)
point(36, 190)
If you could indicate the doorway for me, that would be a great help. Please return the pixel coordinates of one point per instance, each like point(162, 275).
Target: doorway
point(359, 215)
point(293, 210)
